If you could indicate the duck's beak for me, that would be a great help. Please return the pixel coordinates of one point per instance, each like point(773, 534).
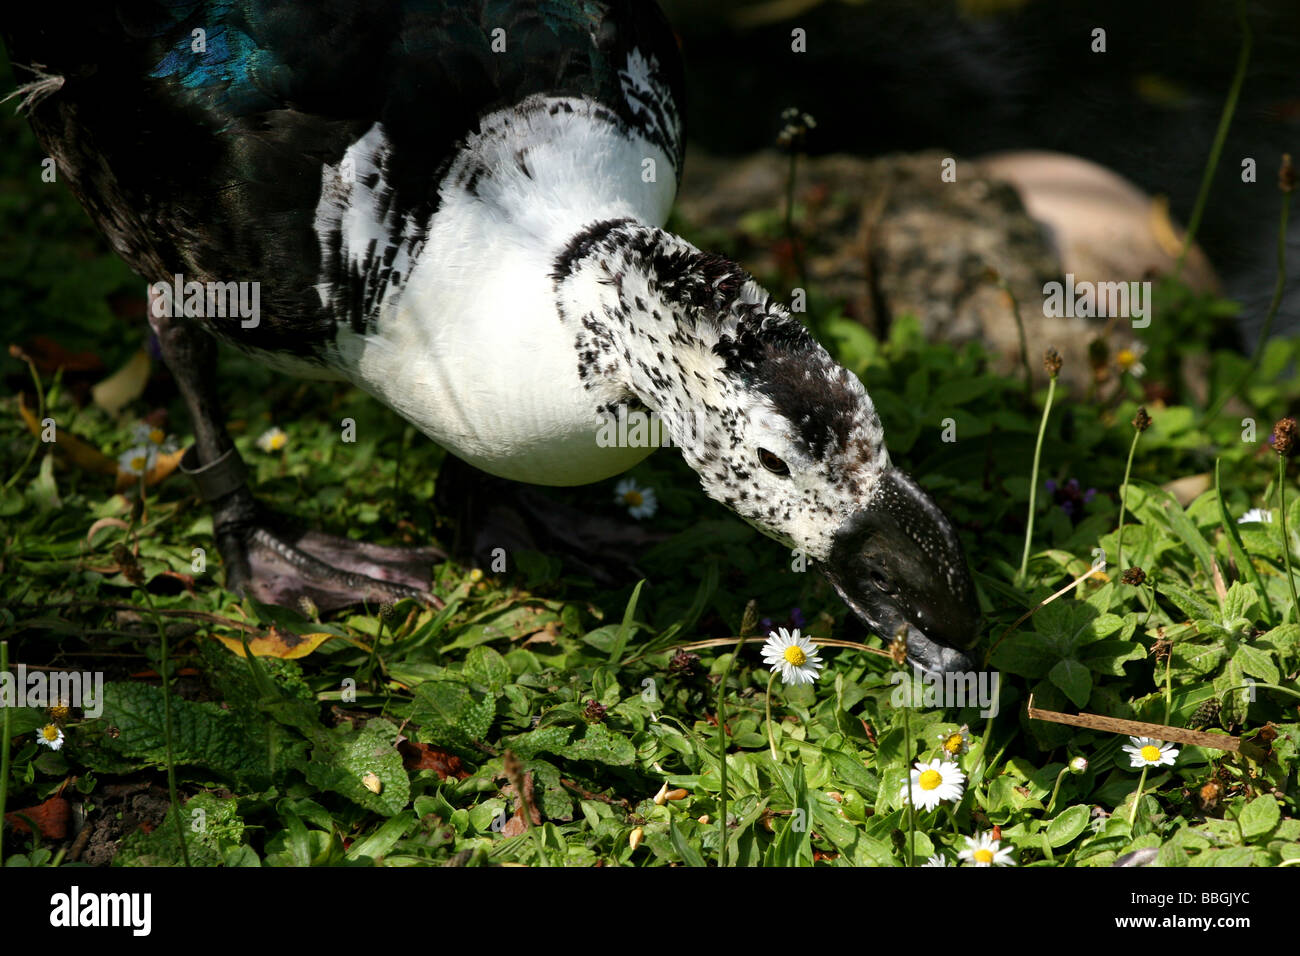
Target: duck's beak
point(898, 564)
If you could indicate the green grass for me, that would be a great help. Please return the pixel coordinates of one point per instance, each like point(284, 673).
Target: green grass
point(290, 762)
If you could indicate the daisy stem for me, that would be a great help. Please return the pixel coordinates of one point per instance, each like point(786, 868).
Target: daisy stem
point(952, 818)
point(1169, 686)
point(164, 669)
point(1137, 797)
point(1020, 330)
point(1033, 480)
point(722, 755)
point(1123, 501)
point(907, 783)
point(1286, 540)
point(771, 736)
point(4, 751)
point(977, 762)
point(1057, 788)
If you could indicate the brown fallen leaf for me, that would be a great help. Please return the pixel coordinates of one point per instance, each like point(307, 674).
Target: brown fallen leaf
point(87, 457)
point(50, 817)
point(276, 643)
point(125, 385)
point(418, 756)
point(76, 450)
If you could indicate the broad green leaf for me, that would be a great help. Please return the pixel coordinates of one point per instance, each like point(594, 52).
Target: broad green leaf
point(485, 666)
point(1074, 679)
point(1189, 602)
point(1256, 662)
point(1259, 816)
point(690, 856)
point(1200, 659)
point(1068, 824)
point(853, 772)
point(354, 763)
point(203, 734)
point(451, 714)
point(212, 828)
point(1108, 657)
point(593, 742)
point(384, 839)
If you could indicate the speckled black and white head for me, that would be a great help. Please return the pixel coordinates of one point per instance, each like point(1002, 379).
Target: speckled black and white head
point(776, 429)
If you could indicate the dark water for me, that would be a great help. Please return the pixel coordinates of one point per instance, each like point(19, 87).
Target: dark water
point(888, 75)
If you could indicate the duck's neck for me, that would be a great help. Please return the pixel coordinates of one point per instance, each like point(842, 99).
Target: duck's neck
point(652, 319)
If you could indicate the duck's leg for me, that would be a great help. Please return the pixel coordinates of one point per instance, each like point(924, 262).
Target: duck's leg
point(264, 558)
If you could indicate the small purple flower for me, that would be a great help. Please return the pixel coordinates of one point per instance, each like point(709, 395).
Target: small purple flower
point(797, 618)
point(1072, 499)
point(765, 625)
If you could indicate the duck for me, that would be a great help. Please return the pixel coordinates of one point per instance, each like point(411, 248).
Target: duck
point(458, 207)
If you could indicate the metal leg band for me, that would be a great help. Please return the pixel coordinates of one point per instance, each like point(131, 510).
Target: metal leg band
point(216, 479)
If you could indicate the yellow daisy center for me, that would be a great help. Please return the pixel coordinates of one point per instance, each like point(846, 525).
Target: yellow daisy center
point(277, 442)
point(930, 779)
point(983, 856)
point(50, 732)
point(138, 463)
point(953, 743)
point(1150, 752)
point(633, 498)
point(156, 435)
point(794, 655)
point(1126, 358)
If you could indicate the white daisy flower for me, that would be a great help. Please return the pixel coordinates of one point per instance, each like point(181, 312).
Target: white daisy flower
point(50, 736)
point(1148, 752)
point(640, 502)
point(1130, 359)
point(1261, 515)
point(137, 461)
point(937, 860)
point(955, 743)
point(983, 850)
point(933, 783)
point(273, 440)
point(151, 436)
point(795, 657)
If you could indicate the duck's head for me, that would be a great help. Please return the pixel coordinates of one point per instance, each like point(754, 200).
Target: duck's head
point(804, 461)
point(790, 441)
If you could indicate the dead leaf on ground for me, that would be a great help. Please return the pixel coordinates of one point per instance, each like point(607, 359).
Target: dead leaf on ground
point(125, 385)
point(276, 643)
point(50, 817)
point(76, 450)
point(418, 756)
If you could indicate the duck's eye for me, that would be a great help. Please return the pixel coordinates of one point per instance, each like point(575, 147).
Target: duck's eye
point(773, 464)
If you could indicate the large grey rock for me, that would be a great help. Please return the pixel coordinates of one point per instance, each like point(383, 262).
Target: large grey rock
point(888, 237)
